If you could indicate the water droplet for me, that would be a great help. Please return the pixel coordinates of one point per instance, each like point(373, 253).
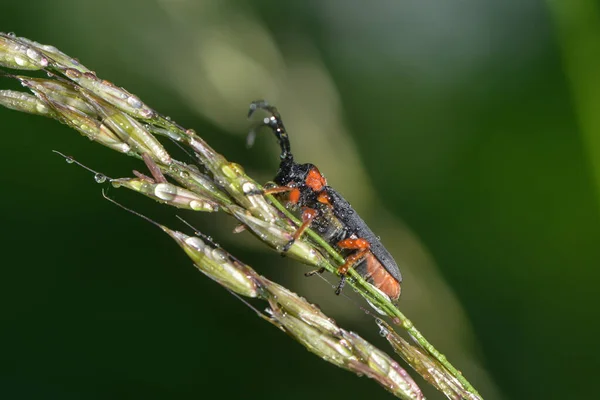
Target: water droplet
point(184, 174)
point(237, 168)
point(134, 102)
point(91, 75)
point(248, 187)
point(69, 160)
point(195, 243)
point(12, 34)
point(100, 178)
point(196, 205)
point(147, 113)
point(72, 73)
point(20, 61)
point(190, 132)
point(49, 48)
point(219, 255)
point(165, 191)
point(168, 118)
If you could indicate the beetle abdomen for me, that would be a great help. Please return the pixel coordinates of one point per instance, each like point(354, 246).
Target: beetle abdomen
point(355, 225)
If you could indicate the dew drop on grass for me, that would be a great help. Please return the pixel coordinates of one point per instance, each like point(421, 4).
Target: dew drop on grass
point(69, 160)
point(218, 255)
point(100, 178)
point(134, 102)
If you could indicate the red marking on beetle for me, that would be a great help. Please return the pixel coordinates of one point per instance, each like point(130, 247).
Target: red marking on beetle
point(315, 180)
point(308, 214)
point(323, 198)
point(354, 244)
point(295, 196)
point(380, 278)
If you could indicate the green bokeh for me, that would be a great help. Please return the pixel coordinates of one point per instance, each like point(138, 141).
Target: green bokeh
point(492, 172)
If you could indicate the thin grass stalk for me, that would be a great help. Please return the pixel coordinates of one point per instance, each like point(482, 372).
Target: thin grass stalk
point(117, 119)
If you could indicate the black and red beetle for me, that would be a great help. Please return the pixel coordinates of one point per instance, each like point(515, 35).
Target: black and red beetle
point(328, 213)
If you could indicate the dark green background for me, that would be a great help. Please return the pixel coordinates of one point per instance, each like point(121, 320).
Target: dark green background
point(481, 152)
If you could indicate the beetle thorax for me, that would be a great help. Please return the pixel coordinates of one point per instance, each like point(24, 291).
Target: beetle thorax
point(292, 173)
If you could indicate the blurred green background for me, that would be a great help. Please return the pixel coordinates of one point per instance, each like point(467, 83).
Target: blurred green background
point(465, 133)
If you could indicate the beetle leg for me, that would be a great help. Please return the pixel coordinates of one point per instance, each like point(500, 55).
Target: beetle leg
point(308, 214)
point(276, 189)
point(363, 247)
point(315, 272)
point(294, 192)
point(341, 285)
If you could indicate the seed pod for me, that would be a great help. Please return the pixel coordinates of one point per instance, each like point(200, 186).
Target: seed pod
point(17, 55)
point(217, 264)
point(168, 193)
point(25, 102)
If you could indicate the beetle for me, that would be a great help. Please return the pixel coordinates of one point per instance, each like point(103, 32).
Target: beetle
point(327, 212)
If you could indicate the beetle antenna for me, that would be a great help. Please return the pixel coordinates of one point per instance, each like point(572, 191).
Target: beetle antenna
point(275, 123)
